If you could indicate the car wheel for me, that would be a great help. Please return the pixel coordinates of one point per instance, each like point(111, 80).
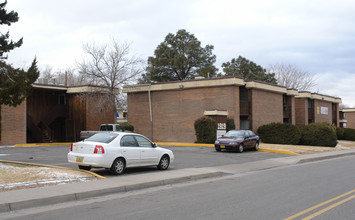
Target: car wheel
point(256, 147)
point(118, 166)
point(84, 167)
point(164, 163)
point(218, 149)
point(240, 148)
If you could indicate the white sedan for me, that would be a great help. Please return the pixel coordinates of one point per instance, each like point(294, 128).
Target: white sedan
point(118, 150)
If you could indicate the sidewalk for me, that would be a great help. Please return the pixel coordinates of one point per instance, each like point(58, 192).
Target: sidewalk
point(36, 197)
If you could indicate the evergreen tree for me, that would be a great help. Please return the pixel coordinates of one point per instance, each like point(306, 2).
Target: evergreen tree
point(15, 83)
point(180, 57)
point(248, 70)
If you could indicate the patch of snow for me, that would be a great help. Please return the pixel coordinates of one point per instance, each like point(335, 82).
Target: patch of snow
point(42, 182)
point(4, 166)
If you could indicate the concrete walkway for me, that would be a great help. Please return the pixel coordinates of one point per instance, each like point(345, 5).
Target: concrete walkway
point(43, 196)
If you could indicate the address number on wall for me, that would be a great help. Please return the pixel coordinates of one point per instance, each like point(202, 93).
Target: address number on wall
point(221, 126)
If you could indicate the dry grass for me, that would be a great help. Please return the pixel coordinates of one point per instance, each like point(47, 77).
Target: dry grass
point(302, 149)
point(17, 176)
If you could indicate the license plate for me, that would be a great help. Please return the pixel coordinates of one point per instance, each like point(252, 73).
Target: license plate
point(79, 159)
point(222, 146)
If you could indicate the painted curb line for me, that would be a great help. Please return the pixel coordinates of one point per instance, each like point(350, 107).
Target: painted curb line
point(42, 144)
point(278, 151)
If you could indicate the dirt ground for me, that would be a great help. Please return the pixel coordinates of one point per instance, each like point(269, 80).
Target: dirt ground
point(302, 149)
point(18, 176)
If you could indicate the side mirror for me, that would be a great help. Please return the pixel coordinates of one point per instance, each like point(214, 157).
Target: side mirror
point(154, 145)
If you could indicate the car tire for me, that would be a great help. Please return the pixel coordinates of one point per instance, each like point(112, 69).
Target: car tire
point(164, 162)
point(240, 148)
point(256, 147)
point(118, 166)
point(218, 149)
point(84, 167)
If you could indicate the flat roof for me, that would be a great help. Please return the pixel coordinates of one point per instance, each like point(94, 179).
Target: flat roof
point(347, 110)
point(73, 89)
point(227, 81)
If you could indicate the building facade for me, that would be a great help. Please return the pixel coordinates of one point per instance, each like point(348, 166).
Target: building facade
point(313, 107)
point(347, 118)
point(55, 114)
point(167, 111)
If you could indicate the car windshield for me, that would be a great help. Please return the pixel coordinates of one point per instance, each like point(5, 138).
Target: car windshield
point(102, 137)
point(235, 134)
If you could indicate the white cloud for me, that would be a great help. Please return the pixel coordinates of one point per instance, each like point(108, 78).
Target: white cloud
point(317, 36)
point(338, 84)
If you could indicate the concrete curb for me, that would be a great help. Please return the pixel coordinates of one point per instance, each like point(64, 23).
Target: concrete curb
point(50, 200)
point(326, 155)
point(42, 144)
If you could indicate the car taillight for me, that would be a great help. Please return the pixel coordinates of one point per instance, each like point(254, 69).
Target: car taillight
point(71, 147)
point(99, 150)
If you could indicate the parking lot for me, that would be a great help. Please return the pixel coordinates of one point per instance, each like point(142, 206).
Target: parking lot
point(185, 157)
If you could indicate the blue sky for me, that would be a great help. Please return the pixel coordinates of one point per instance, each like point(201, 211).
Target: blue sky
point(317, 36)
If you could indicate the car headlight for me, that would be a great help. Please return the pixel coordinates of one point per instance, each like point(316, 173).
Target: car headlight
point(217, 142)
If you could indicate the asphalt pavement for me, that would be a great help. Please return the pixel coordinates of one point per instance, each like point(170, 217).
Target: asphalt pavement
point(43, 196)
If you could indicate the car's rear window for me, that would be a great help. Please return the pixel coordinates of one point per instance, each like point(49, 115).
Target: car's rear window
point(102, 137)
point(106, 128)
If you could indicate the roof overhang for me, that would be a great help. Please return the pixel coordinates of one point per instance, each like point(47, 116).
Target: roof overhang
point(184, 85)
point(216, 112)
point(49, 87)
point(317, 96)
point(264, 86)
point(348, 110)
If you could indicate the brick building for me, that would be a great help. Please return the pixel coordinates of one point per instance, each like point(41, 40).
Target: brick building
point(167, 111)
point(313, 107)
point(55, 113)
point(347, 118)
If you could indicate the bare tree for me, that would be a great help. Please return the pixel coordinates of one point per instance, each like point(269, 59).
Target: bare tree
point(110, 66)
point(291, 76)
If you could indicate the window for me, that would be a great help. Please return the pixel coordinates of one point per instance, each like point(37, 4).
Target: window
point(106, 128)
point(118, 128)
point(128, 141)
point(235, 134)
point(62, 99)
point(310, 103)
point(142, 142)
point(102, 137)
point(251, 134)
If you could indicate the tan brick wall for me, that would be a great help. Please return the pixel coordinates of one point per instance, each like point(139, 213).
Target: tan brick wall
point(350, 117)
point(13, 124)
point(98, 111)
point(174, 112)
point(301, 111)
point(293, 110)
point(267, 107)
point(318, 117)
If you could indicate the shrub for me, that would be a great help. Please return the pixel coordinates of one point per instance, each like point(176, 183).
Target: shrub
point(205, 128)
point(127, 127)
point(230, 124)
point(318, 134)
point(279, 133)
point(340, 133)
point(349, 134)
